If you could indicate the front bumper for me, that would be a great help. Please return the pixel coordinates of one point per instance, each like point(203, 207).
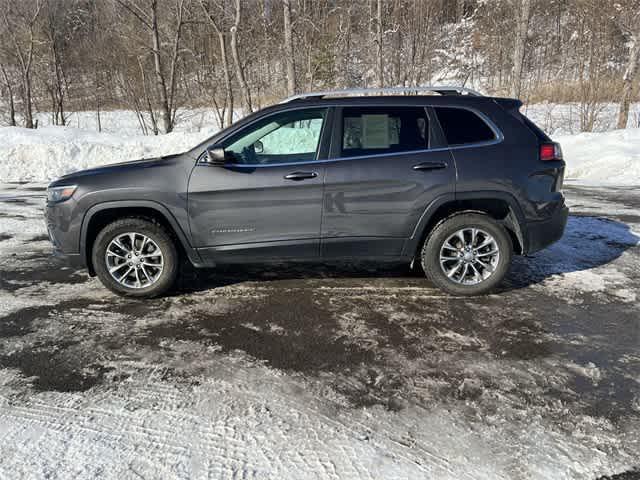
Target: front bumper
point(73, 259)
point(541, 234)
point(63, 230)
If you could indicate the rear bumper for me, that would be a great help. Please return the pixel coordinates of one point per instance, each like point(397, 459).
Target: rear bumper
point(541, 234)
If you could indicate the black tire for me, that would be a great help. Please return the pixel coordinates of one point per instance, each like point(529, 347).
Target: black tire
point(153, 231)
point(430, 255)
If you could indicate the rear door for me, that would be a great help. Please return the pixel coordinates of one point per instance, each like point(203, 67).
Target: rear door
point(266, 202)
point(389, 164)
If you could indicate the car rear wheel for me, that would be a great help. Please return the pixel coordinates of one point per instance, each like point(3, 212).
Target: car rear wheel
point(467, 254)
point(135, 257)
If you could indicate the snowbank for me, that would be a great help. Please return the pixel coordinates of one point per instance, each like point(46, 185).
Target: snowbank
point(43, 154)
point(47, 153)
point(603, 158)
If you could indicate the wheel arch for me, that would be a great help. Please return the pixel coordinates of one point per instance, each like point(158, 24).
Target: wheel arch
point(100, 215)
point(500, 206)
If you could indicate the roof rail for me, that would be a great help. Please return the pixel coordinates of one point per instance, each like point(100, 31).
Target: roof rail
point(442, 90)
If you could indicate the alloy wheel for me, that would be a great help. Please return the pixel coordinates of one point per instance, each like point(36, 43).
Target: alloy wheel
point(469, 256)
point(134, 260)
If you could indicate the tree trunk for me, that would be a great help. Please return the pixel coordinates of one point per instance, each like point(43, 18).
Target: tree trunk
point(165, 113)
point(459, 10)
point(627, 81)
point(26, 100)
point(174, 60)
point(519, 47)
point(244, 88)
point(227, 79)
point(12, 107)
point(228, 89)
point(380, 72)
point(288, 48)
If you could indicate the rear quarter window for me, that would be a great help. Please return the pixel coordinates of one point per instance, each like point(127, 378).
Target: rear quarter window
point(463, 127)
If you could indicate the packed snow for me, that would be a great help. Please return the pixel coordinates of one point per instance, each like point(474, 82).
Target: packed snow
point(611, 157)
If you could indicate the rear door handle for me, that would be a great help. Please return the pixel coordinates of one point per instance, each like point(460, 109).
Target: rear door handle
point(301, 175)
point(430, 166)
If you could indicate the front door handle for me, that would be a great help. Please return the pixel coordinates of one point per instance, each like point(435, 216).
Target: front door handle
point(301, 175)
point(430, 166)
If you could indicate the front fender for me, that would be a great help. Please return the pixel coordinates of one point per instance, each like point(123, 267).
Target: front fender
point(135, 206)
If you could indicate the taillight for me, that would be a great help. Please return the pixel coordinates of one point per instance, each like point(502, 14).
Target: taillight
point(550, 151)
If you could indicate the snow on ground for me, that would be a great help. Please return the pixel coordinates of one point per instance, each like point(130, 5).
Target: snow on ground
point(609, 157)
point(371, 373)
point(47, 153)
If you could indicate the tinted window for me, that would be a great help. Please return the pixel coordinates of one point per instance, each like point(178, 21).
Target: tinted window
point(462, 126)
point(281, 138)
point(376, 130)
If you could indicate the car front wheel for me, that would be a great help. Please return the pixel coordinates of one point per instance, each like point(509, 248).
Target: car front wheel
point(135, 257)
point(467, 254)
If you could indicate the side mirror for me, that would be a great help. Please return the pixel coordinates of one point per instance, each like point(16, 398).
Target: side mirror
point(258, 147)
point(215, 156)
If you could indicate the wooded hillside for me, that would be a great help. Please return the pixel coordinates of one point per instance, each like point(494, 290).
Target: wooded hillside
point(157, 56)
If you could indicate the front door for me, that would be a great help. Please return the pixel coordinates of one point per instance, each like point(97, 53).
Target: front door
point(390, 164)
point(266, 202)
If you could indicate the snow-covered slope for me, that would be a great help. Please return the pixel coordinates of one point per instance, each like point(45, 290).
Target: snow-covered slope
point(49, 152)
point(43, 154)
point(606, 158)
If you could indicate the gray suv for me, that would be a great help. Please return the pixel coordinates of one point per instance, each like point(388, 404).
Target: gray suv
point(452, 181)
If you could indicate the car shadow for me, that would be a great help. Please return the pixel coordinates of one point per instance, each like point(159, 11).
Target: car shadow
point(295, 274)
point(588, 242)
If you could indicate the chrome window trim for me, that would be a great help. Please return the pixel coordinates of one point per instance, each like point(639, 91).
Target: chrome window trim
point(499, 138)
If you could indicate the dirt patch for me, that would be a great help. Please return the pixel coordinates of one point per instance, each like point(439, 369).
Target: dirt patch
point(21, 322)
point(633, 474)
point(520, 339)
point(13, 280)
point(39, 238)
point(286, 333)
point(15, 216)
point(55, 367)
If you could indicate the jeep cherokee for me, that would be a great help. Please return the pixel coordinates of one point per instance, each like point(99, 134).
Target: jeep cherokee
point(449, 180)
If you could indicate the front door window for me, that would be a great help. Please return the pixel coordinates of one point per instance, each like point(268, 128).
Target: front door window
point(281, 138)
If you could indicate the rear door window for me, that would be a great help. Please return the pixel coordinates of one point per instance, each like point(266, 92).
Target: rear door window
point(463, 127)
point(381, 130)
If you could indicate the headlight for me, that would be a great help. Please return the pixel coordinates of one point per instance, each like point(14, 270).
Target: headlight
point(60, 194)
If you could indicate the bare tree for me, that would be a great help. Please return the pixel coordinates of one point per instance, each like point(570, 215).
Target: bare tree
point(628, 19)
point(222, 42)
point(379, 59)
point(12, 108)
point(288, 48)
point(519, 48)
point(58, 87)
point(148, 17)
point(152, 56)
point(244, 87)
point(16, 23)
